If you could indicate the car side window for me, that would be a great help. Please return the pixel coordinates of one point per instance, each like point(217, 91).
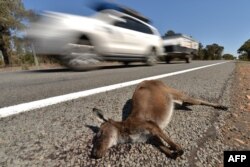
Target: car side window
point(138, 26)
point(122, 24)
point(133, 25)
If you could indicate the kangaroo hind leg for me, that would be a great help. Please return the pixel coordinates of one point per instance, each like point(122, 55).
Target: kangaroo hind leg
point(193, 101)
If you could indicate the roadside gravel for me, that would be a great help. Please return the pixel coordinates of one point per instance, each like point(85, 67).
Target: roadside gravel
point(61, 135)
point(236, 130)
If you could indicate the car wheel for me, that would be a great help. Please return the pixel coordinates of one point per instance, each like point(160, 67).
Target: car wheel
point(167, 59)
point(81, 56)
point(126, 63)
point(151, 58)
point(188, 59)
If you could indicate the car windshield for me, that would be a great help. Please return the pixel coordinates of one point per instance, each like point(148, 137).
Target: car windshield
point(105, 16)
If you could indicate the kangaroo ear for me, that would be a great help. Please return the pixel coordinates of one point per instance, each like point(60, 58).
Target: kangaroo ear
point(99, 114)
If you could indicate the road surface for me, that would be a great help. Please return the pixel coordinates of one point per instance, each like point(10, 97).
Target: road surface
point(61, 134)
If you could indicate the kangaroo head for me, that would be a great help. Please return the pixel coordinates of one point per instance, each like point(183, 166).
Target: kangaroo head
point(104, 139)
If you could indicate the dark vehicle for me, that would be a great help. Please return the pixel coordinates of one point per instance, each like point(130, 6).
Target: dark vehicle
point(179, 46)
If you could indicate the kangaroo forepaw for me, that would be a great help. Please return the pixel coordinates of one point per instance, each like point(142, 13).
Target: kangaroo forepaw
point(177, 153)
point(175, 147)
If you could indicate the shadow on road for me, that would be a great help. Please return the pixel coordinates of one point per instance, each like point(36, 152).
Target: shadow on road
point(126, 110)
point(106, 67)
point(173, 62)
point(51, 70)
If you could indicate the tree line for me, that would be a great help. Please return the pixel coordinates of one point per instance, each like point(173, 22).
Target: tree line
point(214, 52)
point(15, 49)
point(12, 18)
point(244, 51)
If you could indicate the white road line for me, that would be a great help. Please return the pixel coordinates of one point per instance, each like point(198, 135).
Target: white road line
point(11, 110)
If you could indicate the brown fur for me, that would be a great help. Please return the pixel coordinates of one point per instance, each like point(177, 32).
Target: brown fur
point(152, 105)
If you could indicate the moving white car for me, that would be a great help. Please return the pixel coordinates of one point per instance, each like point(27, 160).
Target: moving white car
point(109, 35)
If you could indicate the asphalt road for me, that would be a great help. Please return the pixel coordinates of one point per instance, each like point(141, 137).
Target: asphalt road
point(61, 134)
point(26, 86)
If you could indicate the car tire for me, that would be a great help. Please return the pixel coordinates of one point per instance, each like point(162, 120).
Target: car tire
point(151, 58)
point(188, 59)
point(82, 56)
point(167, 59)
point(126, 63)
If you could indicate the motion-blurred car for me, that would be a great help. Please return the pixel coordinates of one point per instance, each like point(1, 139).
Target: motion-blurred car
point(109, 35)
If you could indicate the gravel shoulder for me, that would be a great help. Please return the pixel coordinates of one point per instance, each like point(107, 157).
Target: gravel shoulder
point(236, 130)
point(61, 135)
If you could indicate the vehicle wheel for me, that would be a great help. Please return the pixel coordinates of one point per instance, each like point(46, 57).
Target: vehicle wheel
point(126, 63)
point(151, 58)
point(167, 60)
point(188, 60)
point(81, 56)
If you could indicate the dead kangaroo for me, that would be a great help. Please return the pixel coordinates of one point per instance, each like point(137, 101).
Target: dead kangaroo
point(152, 109)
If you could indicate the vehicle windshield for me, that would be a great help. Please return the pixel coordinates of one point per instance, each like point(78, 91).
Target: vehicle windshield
point(105, 16)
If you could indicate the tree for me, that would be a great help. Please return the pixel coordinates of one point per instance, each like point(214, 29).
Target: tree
point(200, 53)
point(213, 52)
point(245, 49)
point(12, 13)
point(169, 33)
point(228, 57)
point(243, 56)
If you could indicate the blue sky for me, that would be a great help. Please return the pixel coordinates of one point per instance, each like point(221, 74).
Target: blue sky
point(225, 22)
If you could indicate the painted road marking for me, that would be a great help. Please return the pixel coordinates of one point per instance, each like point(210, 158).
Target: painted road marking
point(16, 109)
